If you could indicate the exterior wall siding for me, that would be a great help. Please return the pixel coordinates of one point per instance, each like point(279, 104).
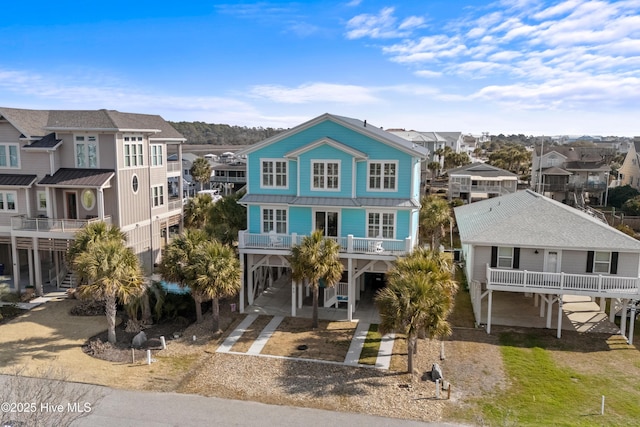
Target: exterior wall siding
point(8, 133)
point(325, 152)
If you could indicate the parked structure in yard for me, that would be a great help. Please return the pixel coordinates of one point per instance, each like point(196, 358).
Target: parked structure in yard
point(63, 169)
point(356, 182)
point(528, 243)
point(478, 181)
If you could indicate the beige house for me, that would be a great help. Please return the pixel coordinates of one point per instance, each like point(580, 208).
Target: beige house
point(629, 172)
point(60, 170)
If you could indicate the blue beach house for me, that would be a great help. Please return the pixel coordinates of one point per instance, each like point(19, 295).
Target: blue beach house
point(356, 182)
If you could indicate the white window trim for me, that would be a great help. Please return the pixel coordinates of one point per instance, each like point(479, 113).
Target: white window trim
point(286, 173)
point(381, 212)
point(504, 257)
point(325, 162)
point(596, 262)
point(137, 160)
point(155, 157)
point(46, 201)
point(86, 154)
point(5, 201)
point(161, 194)
point(382, 189)
point(7, 153)
point(135, 176)
point(274, 208)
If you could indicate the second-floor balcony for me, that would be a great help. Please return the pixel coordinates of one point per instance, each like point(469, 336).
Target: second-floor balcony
point(348, 244)
point(490, 188)
point(61, 225)
point(596, 285)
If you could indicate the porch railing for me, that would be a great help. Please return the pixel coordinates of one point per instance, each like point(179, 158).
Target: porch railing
point(336, 294)
point(348, 244)
point(23, 222)
point(536, 281)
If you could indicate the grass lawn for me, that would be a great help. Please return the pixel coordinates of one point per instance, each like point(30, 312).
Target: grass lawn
point(369, 353)
point(562, 384)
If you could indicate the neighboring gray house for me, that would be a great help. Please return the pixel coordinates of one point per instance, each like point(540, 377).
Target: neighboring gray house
point(478, 181)
point(62, 169)
point(527, 243)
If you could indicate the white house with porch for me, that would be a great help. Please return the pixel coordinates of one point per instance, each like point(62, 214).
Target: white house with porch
point(528, 243)
point(356, 182)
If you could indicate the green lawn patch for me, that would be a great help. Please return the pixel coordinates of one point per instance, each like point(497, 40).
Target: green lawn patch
point(369, 353)
point(544, 393)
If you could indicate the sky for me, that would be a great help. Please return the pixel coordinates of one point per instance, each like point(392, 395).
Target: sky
point(528, 67)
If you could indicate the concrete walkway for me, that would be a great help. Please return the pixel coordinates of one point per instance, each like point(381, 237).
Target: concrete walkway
point(352, 358)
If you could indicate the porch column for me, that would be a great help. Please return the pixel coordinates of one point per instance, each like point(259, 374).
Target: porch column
point(549, 307)
point(489, 307)
point(350, 293)
point(49, 197)
point(299, 294)
point(30, 263)
point(100, 197)
point(559, 334)
point(241, 302)
point(15, 262)
point(250, 290)
point(293, 299)
point(603, 304)
point(632, 322)
point(623, 318)
point(37, 267)
point(612, 309)
point(543, 298)
point(56, 261)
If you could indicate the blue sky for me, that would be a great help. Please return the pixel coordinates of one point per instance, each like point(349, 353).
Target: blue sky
point(510, 66)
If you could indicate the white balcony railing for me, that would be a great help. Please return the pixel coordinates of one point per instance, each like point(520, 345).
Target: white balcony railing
point(563, 283)
point(174, 167)
point(52, 224)
point(348, 244)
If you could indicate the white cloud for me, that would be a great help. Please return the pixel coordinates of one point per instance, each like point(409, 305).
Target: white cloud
point(428, 73)
point(315, 92)
point(382, 26)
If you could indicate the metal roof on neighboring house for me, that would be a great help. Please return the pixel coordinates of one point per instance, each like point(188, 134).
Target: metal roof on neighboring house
point(67, 177)
point(357, 202)
point(17, 180)
point(481, 169)
point(49, 141)
point(528, 219)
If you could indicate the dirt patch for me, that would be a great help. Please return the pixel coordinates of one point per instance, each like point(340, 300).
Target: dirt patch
point(295, 338)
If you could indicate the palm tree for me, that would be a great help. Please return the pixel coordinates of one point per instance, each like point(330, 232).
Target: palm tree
point(226, 218)
point(216, 273)
point(419, 296)
point(177, 258)
point(201, 171)
point(197, 210)
point(113, 274)
point(91, 233)
point(434, 215)
point(316, 258)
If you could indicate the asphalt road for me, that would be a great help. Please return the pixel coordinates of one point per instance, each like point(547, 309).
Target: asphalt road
point(153, 409)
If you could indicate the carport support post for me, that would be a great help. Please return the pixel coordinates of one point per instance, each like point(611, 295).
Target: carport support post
point(623, 318)
point(350, 293)
point(293, 299)
point(559, 334)
point(542, 300)
point(489, 307)
point(632, 323)
point(242, 283)
point(549, 307)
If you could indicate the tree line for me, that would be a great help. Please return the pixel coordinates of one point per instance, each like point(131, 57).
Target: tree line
point(221, 134)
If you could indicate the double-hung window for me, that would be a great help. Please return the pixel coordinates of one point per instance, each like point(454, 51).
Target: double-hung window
point(602, 262)
point(158, 195)
point(274, 173)
point(86, 151)
point(505, 257)
point(9, 156)
point(383, 176)
point(133, 155)
point(326, 175)
point(156, 155)
point(274, 219)
point(381, 225)
point(8, 201)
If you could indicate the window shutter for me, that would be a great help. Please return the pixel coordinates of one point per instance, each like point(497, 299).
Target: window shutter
point(590, 261)
point(614, 263)
point(516, 258)
point(494, 256)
